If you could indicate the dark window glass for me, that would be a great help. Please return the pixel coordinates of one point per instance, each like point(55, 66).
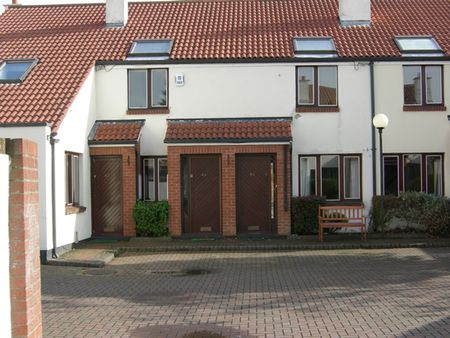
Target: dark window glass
point(412, 88)
point(391, 175)
point(149, 179)
point(327, 86)
point(159, 87)
point(137, 88)
point(434, 174)
point(305, 78)
point(162, 179)
point(72, 179)
point(412, 172)
point(330, 176)
point(433, 84)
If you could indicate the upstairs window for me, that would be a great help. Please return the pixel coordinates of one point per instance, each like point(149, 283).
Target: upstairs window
point(314, 47)
point(150, 49)
point(14, 71)
point(422, 85)
point(418, 46)
point(317, 86)
point(147, 88)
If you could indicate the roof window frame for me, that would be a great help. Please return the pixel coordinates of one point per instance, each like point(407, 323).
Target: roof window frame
point(131, 54)
point(418, 52)
point(330, 53)
point(33, 62)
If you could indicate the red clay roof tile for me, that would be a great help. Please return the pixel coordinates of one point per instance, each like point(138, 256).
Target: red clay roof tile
point(116, 131)
point(230, 130)
point(68, 40)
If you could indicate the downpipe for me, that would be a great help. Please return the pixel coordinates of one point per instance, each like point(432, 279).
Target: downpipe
point(53, 141)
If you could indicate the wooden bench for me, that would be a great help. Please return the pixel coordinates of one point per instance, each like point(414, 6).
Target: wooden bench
point(337, 216)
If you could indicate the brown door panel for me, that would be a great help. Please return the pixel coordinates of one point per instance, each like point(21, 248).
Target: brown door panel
point(106, 185)
point(254, 194)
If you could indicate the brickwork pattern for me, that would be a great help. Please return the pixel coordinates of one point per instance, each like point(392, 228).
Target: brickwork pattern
point(344, 293)
point(128, 181)
point(25, 279)
point(228, 157)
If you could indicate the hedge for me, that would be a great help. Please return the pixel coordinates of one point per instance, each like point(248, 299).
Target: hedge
point(305, 214)
point(151, 218)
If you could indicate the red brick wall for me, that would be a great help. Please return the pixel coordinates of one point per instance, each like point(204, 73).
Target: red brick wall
point(25, 276)
point(128, 154)
point(228, 153)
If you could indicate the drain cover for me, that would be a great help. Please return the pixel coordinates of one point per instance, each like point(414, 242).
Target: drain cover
point(98, 272)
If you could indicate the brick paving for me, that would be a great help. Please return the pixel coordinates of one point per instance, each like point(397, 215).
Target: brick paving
point(343, 293)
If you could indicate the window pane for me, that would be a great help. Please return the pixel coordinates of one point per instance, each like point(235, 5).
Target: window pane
point(308, 168)
point(412, 171)
point(433, 84)
point(76, 179)
point(390, 175)
point(162, 180)
point(305, 78)
point(137, 88)
point(327, 86)
point(68, 179)
point(151, 47)
point(417, 44)
point(159, 88)
point(434, 175)
point(14, 70)
point(330, 176)
point(352, 177)
point(308, 44)
point(412, 85)
point(149, 179)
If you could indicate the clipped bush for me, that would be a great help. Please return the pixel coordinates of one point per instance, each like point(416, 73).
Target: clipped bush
point(305, 213)
point(151, 218)
point(430, 211)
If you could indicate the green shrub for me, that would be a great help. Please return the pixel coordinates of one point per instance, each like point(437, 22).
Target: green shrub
point(431, 211)
point(151, 218)
point(304, 214)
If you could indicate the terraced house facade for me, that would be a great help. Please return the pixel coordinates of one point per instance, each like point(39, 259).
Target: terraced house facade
point(226, 109)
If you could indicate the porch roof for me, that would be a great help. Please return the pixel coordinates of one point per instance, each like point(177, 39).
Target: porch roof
point(232, 130)
point(115, 131)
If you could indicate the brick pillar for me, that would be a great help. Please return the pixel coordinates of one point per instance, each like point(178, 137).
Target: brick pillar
point(25, 278)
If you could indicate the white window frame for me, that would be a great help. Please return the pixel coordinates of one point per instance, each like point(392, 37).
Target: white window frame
point(359, 177)
point(313, 87)
point(421, 170)
point(146, 88)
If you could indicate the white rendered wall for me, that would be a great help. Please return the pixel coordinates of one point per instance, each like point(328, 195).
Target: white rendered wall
point(39, 135)
point(73, 135)
point(253, 90)
point(5, 297)
point(409, 132)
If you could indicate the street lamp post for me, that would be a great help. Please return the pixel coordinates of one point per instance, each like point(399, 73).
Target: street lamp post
point(380, 121)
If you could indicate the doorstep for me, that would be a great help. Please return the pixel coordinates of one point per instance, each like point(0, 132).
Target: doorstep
point(86, 257)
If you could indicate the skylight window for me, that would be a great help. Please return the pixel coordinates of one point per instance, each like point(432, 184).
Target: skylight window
point(314, 47)
point(418, 46)
point(12, 71)
point(150, 49)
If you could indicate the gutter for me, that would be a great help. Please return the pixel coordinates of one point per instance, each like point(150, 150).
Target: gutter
point(372, 111)
point(53, 141)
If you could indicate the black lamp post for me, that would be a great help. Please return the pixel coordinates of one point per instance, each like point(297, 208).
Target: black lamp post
point(380, 121)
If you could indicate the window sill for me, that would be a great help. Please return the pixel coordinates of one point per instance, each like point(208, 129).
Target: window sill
point(315, 109)
point(74, 209)
point(435, 107)
point(149, 111)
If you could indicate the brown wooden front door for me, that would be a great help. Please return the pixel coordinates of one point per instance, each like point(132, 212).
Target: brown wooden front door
point(106, 185)
point(255, 193)
point(201, 194)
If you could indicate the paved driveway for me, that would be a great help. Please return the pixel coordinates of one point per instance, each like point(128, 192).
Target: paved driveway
point(363, 293)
